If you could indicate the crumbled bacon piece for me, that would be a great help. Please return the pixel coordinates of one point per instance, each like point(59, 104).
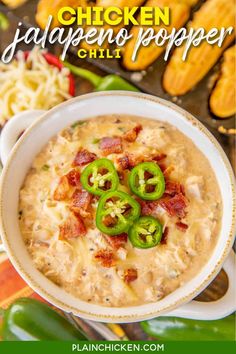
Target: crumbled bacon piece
point(164, 236)
point(83, 157)
point(106, 258)
point(181, 226)
point(111, 145)
point(162, 167)
point(62, 190)
point(109, 221)
point(73, 227)
point(128, 161)
point(175, 206)
point(132, 134)
point(173, 188)
point(116, 241)
point(159, 157)
point(124, 162)
point(81, 201)
point(130, 275)
point(147, 175)
point(147, 207)
point(74, 178)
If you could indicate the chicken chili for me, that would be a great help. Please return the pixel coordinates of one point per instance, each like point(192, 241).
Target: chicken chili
point(120, 210)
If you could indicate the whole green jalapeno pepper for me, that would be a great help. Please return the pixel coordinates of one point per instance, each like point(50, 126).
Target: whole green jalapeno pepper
point(107, 83)
point(31, 320)
point(184, 329)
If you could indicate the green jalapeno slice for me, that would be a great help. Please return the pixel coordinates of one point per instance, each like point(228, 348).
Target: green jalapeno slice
point(116, 212)
point(99, 177)
point(146, 180)
point(146, 232)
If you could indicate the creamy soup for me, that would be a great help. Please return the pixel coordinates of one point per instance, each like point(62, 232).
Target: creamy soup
point(57, 212)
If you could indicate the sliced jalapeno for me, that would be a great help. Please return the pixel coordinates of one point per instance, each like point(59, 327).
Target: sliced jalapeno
point(146, 232)
point(116, 212)
point(99, 177)
point(146, 180)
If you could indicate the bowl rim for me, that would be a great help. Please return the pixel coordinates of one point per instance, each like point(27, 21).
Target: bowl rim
point(130, 317)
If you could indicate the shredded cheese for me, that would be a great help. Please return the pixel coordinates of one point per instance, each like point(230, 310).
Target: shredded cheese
point(31, 84)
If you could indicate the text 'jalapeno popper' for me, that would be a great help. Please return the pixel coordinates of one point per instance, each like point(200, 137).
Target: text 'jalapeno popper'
point(179, 14)
point(223, 97)
point(181, 76)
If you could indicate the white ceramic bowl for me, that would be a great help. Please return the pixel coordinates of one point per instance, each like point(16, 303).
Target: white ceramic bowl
point(48, 125)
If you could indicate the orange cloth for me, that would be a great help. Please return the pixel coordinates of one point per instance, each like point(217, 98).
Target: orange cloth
point(12, 286)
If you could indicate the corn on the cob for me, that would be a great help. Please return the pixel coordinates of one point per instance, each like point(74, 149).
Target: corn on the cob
point(180, 10)
point(181, 76)
point(119, 3)
point(46, 8)
point(223, 97)
point(13, 3)
point(190, 2)
point(118, 330)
